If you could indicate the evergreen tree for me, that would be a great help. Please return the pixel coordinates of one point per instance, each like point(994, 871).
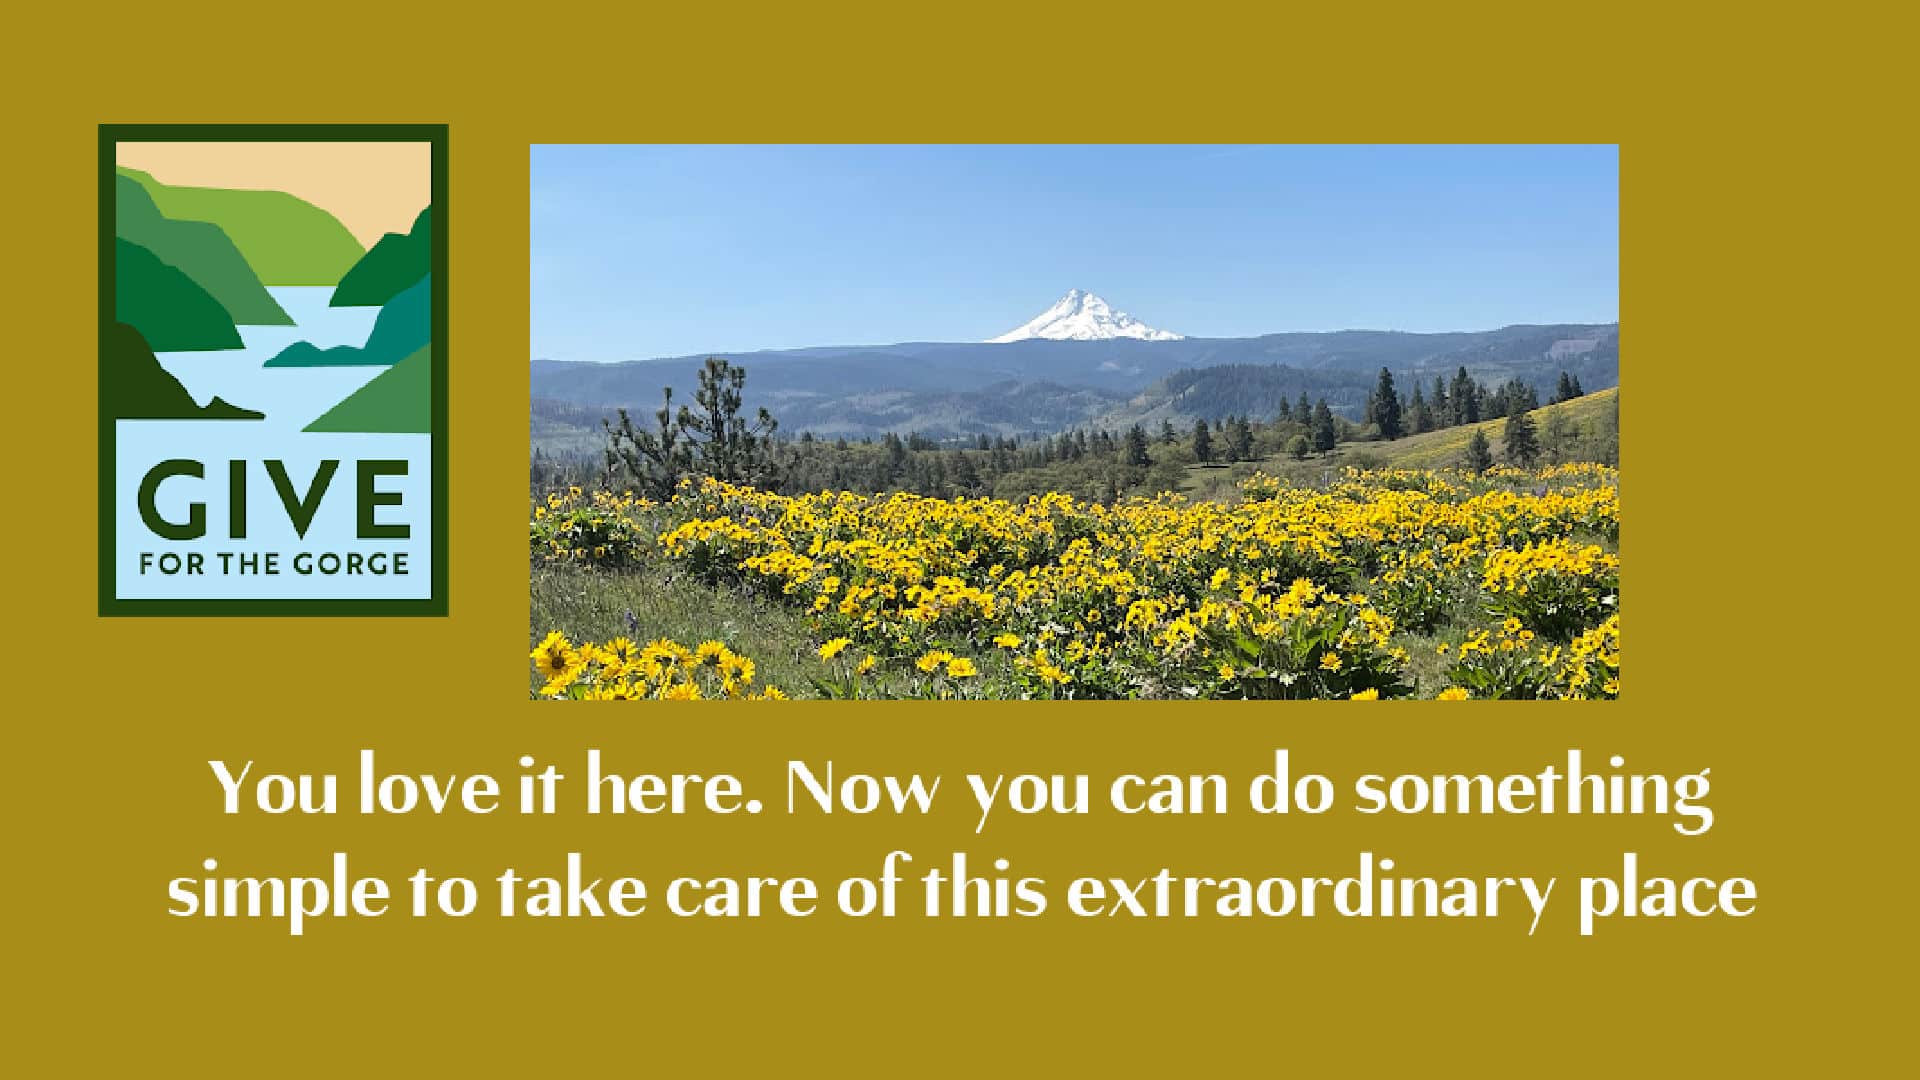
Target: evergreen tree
point(894, 464)
point(1202, 442)
point(1479, 454)
point(1325, 436)
point(1442, 409)
point(1386, 407)
point(652, 461)
point(1514, 395)
point(1137, 446)
point(1167, 434)
point(726, 447)
point(965, 477)
point(1564, 391)
point(1465, 397)
point(1419, 417)
point(1286, 411)
point(710, 440)
point(1303, 413)
point(1239, 440)
point(1521, 442)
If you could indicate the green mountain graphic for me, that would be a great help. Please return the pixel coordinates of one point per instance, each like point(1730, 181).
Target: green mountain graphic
point(171, 312)
point(198, 249)
point(403, 326)
point(392, 264)
point(133, 385)
point(399, 399)
point(286, 240)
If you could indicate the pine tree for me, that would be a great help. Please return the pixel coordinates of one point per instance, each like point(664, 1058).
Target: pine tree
point(1303, 413)
point(894, 464)
point(1386, 407)
point(652, 461)
point(1324, 434)
point(1466, 398)
point(1522, 443)
point(1514, 395)
point(1564, 391)
point(1419, 417)
point(965, 477)
point(1202, 442)
point(1167, 434)
point(1286, 411)
point(1442, 409)
point(726, 447)
point(1239, 439)
point(712, 440)
point(1137, 446)
point(1479, 454)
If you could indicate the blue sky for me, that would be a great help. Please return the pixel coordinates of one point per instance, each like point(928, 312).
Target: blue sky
point(643, 251)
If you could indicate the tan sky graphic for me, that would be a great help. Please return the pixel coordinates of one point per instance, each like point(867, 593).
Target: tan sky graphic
point(372, 187)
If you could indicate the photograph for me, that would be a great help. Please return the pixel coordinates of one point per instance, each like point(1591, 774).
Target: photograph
point(1039, 422)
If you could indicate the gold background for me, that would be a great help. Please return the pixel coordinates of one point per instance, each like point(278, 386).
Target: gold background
point(1741, 567)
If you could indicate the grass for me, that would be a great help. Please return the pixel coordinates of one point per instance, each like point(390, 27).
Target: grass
point(650, 602)
point(655, 602)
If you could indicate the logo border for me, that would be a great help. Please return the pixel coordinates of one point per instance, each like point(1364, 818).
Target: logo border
point(435, 604)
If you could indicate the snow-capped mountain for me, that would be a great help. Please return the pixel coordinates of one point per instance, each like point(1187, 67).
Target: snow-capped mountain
point(1082, 316)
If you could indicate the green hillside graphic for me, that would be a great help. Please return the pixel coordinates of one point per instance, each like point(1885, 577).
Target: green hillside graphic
point(399, 399)
point(286, 240)
point(133, 385)
point(393, 263)
point(198, 249)
point(172, 313)
point(403, 326)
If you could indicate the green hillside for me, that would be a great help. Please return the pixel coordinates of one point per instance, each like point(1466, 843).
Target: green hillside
point(403, 325)
point(133, 385)
point(171, 312)
point(198, 249)
point(399, 399)
point(286, 240)
point(394, 263)
point(1587, 422)
point(1447, 447)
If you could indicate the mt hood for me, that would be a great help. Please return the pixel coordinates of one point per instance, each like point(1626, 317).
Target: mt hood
point(1082, 316)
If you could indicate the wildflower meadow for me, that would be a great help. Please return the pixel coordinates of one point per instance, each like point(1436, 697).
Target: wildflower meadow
point(1381, 584)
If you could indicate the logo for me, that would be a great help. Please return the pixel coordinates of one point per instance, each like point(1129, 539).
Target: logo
point(273, 369)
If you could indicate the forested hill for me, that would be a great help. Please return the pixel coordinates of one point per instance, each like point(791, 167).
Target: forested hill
point(1238, 390)
point(951, 389)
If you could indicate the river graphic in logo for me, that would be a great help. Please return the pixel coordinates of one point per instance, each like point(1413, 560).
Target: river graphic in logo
point(273, 370)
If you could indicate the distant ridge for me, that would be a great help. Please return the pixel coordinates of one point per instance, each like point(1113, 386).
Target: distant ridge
point(963, 388)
